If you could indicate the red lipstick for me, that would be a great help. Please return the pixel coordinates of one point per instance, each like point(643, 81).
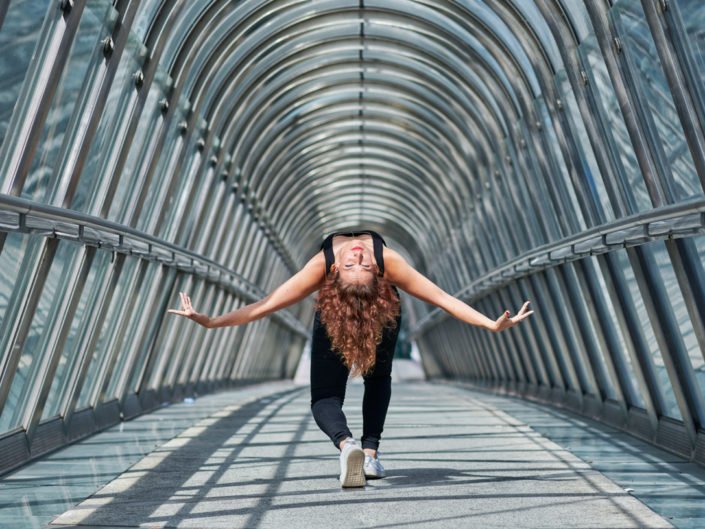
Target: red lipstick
point(357, 248)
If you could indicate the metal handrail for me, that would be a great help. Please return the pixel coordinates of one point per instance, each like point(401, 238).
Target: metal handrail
point(26, 216)
point(682, 219)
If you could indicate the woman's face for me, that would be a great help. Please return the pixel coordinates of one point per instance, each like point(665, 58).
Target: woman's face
point(355, 264)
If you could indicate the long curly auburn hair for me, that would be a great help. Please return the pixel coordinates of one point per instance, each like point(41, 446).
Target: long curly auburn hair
point(355, 315)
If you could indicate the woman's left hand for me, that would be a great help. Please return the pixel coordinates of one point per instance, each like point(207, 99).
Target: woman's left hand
point(505, 320)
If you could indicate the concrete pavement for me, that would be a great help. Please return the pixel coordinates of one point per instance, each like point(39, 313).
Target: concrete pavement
point(452, 461)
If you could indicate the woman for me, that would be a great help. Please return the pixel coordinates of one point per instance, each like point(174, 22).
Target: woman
point(355, 329)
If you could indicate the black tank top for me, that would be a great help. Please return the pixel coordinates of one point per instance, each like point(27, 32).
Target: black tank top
point(377, 244)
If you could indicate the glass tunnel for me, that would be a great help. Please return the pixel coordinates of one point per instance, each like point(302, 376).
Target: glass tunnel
point(549, 150)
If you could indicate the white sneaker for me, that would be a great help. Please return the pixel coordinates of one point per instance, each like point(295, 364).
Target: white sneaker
point(373, 468)
point(352, 459)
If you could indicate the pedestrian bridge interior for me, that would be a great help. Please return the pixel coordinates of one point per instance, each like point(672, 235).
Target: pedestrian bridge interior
point(551, 151)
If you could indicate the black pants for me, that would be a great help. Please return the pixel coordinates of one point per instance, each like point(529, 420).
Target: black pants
point(329, 377)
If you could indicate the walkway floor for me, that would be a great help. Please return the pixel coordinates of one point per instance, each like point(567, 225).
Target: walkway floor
point(254, 458)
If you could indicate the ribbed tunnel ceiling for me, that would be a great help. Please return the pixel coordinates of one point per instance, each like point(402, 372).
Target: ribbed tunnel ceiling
point(543, 150)
point(335, 115)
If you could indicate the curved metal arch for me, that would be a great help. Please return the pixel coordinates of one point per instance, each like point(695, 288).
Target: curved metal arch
point(374, 129)
point(471, 125)
point(378, 173)
point(451, 182)
point(422, 92)
point(230, 118)
point(324, 198)
point(378, 153)
point(542, 35)
point(277, 29)
point(342, 171)
point(338, 176)
point(421, 54)
point(235, 119)
point(485, 16)
point(532, 39)
point(451, 161)
point(337, 218)
point(466, 39)
point(410, 164)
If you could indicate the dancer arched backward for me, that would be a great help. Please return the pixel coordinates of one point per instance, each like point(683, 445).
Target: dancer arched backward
point(356, 327)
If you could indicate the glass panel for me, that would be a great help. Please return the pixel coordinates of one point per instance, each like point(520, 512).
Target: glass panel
point(125, 357)
point(566, 192)
point(697, 356)
point(570, 336)
point(646, 70)
point(652, 355)
point(188, 186)
point(162, 178)
point(156, 302)
point(111, 133)
point(84, 49)
point(67, 364)
point(580, 20)
point(622, 360)
point(25, 380)
point(130, 185)
point(18, 36)
point(10, 259)
point(102, 350)
point(144, 17)
point(692, 14)
point(615, 132)
point(541, 30)
point(587, 165)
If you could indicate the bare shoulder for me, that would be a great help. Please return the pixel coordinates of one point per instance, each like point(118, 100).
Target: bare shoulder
point(395, 266)
point(393, 256)
point(316, 267)
point(317, 262)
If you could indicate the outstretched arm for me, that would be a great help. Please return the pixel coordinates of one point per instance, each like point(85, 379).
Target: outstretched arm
point(403, 275)
point(306, 281)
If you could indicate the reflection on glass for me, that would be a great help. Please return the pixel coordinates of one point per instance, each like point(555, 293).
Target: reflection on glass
point(12, 254)
point(110, 135)
point(101, 355)
point(587, 165)
point(164, 174)
point(130, 183)
point(697, 356)
point(18, 36)
point(646, 70)
point(653, 354)
point(621, 358)
point(155, 302)
point(560, 177)
point(616, 131)
point(67, 367)
point(579, 18)
point(131, 337)
point(44, 164)
point(33, 355)
point(692, 19)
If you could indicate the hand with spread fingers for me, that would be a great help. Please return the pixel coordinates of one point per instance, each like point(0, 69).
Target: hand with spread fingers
point(188, 311)
point(505, 320)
